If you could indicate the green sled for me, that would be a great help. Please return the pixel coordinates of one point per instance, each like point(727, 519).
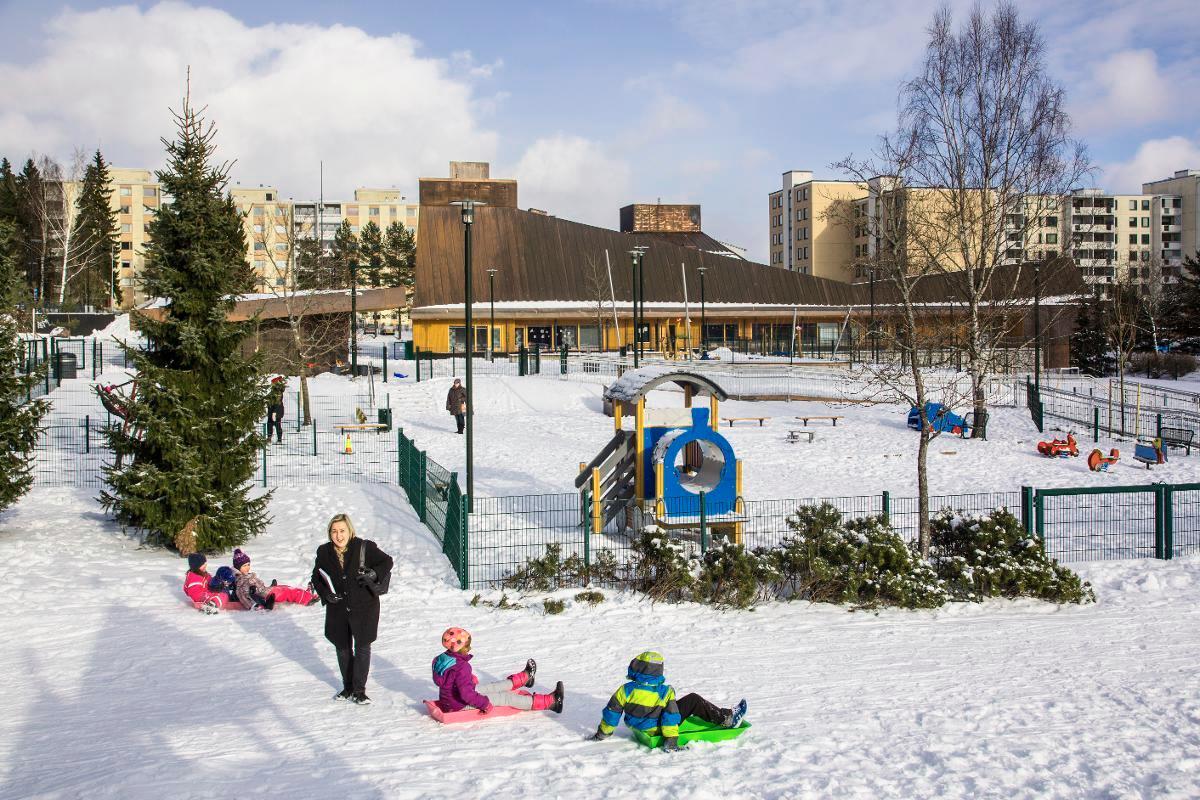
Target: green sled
point(693, 729)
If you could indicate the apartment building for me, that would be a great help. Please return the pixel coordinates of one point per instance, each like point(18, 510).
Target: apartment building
point(1106, 233)
point(136, 197)
point(807, 235)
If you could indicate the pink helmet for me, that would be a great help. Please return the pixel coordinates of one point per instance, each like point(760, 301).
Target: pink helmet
point(455, 639)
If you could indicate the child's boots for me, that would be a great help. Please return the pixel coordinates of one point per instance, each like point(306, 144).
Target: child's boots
point(550, 702)
point(524, 678)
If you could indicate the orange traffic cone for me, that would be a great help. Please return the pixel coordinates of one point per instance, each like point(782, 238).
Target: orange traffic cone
point(349, 448)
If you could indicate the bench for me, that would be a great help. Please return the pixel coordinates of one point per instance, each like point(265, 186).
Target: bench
point(1178, 437)
point(794, 435)
point(732, 420)
point(365, 426)
point(833, 419)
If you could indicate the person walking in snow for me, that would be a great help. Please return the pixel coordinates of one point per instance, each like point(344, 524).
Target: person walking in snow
point(456, 403)
point(195, 586)
point(252, 593)
point(275, 408)
point(349, 576)
point(649, 704)
point(457, 684)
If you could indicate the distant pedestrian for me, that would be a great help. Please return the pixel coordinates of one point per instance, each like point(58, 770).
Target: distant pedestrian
point(275, 408)
point(456, 403)
point(349, 576)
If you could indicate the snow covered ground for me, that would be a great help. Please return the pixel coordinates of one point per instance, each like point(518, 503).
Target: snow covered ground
point(115, 687)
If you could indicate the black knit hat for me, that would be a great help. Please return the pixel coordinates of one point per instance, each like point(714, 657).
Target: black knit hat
point(196, 561)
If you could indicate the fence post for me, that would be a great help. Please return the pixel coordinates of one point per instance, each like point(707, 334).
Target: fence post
point(522, 361)
point(1039, 517)
point(417, 357)
point(399, 457)
point(464, 544)
point(314, 427)
point(1158, 426)
point(703, 523)
point(887, 508)
point(422, 484)
point(1169, 521)
point(1027, 509)
point(385, 363)
point(1095, 424)
point(1041, 414)
point(93, 358)
point(586, 526)
point(264, 459)
point(562, 360)
point(87, 433)
point(1160, 521)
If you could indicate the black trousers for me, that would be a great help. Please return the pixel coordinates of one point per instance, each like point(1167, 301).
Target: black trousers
point(461, 419)
point(354, 665)
point(275, 421)
point(693, 705)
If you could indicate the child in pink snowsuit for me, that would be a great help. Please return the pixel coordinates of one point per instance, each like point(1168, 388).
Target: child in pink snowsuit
point(252, 592)
point(457, 687)
point(195, 586)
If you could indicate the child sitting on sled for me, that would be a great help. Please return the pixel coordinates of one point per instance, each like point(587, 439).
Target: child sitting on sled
point(648, 704)
point(196, 586)
point(457, 683)
point(252, 593)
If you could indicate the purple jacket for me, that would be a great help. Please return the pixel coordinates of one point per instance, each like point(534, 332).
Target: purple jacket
point(456, 683)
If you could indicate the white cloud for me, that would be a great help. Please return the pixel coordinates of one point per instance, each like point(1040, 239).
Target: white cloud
point(1154, 160)
point(283, 97)
point(1127, 89)
point(575, 178)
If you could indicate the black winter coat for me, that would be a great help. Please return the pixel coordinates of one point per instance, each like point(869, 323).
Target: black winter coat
point(358, 611)
point(455, 399)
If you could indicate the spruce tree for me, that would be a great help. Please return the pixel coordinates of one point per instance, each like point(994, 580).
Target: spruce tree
point(399, 260)
point(1181, 307)
point(20, 420)
point(96, 231)
point(192, 443)
point(345, 251)
point(370, 253)
point(1089, 344)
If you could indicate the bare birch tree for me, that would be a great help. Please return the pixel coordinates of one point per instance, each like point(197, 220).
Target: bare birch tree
point(595, 283)
point(991, 149)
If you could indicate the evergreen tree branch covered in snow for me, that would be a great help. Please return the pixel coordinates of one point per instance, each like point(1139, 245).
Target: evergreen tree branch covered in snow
point(192, 442)
point(20, 421)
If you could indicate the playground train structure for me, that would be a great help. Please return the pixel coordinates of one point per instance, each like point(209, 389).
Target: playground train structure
point(671, 467)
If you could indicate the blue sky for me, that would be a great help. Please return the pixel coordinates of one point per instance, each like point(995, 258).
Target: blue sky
point(590, 105)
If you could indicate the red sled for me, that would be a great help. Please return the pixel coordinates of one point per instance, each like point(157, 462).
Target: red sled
point(468, 714)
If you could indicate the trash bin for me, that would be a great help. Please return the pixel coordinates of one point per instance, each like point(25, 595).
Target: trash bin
point(65, 365)
point(385, 419)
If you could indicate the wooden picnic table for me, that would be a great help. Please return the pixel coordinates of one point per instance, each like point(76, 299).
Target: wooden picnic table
point(832, 419)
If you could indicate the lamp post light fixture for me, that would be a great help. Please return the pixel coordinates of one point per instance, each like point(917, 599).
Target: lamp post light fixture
point(468, 219)
point(703, 319)
point(492, 302)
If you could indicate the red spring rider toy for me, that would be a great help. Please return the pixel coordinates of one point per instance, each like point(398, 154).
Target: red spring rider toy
point(1059, 448)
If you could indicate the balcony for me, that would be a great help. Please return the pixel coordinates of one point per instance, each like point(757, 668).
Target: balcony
point(1172, 228)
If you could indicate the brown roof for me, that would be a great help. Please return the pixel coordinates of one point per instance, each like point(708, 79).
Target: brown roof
point(545, 258)
point(303, 303)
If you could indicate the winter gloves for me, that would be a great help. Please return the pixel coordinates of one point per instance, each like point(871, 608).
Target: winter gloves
point(368, 580)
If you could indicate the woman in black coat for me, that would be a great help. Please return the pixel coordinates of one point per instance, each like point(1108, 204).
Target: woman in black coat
point(349, 576)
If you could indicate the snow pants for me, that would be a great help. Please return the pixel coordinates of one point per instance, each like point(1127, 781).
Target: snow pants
point(693, 705)
point(501, 693)
point(218, 599)
point(290, 594)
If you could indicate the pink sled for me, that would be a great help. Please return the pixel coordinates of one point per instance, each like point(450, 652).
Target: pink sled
point(468, 714)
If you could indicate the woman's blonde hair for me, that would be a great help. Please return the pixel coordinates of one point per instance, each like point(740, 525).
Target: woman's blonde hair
point(340, 518)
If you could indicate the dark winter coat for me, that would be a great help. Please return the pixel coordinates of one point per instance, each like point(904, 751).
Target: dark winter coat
point(456, 683)
point(455, 399)
point(275, 398)
point(357, 613)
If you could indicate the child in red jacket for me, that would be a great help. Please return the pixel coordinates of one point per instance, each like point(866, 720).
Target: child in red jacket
point(195, 586)
point(457, 687)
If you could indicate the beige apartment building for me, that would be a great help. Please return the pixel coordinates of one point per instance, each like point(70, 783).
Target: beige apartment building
point(1107, 233)
point(273, 226)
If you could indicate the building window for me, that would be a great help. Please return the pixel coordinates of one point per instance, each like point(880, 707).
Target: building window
point(1145, 222)
point(1145, 205)
point(279, 281)
point(1133, 255)
point(1145, 238)
point(124, 265)
point(270, 197)
point(410, 212)
point(149, 191)
point(126, 191)
point(125, 227)
point(1145, 255)
point(258, 211)
point(1133, 205)
point(123, 210)
point(351, 211)
point(258, 228)
point(126, 245)
point(281, 247)
point(259, 246)
point(1133, 222)
point(149, 209)
point(1051, 238)
point(280, 229)
point(1133, 238)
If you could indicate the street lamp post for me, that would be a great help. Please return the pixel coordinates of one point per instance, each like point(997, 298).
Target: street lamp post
point(635, 260)
point(874, 337)
point(468, 218)
point(354, 318)
point(703, 319)
point(1037, 324)
point(492, 302)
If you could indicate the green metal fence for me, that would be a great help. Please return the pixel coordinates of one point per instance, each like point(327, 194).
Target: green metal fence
point(438, 500)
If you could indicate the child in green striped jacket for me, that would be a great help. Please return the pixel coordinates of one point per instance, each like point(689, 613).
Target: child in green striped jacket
point(649, 704)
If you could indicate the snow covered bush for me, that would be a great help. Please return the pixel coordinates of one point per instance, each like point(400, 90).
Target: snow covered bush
point(994, 556)
point(551, 571)
point(862, 561)
point(731, 575)
point(661, 567)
